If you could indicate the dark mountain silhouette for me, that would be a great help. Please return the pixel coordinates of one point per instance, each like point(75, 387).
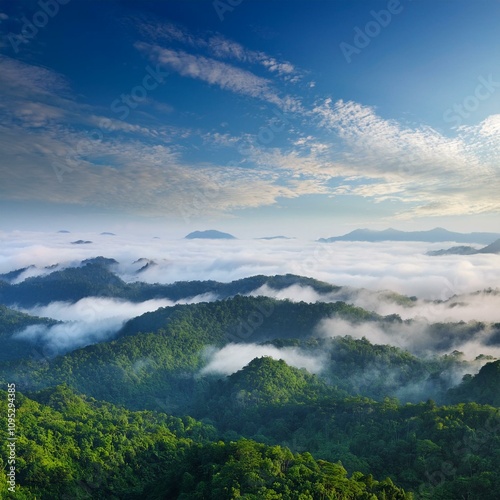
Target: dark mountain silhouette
point(101, 261)
point(482, 388)
point(94, 278)
point(210, 234)
point(13, 275)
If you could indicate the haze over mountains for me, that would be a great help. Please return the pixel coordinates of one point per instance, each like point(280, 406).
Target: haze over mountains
point(172, 328)
point(102, 300)
point(402, 267)
point(466, 250)
point(210, 234)
point(76, 307)
point(432, 236)
point(278, 358)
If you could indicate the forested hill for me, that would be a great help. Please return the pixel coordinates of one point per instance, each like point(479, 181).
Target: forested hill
point(159, 355)
point(246, 397)
point(483, 388)
point(250, 319)
point(73, 447)
point(14, 321)
point(76, 447)
point(95, 279)
point(157, 350)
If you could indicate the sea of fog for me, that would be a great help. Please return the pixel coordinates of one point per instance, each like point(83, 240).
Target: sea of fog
point(446, 286)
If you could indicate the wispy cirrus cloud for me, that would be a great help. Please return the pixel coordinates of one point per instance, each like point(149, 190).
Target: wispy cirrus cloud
point(214, 72)
point(139, 165)
point(24, 79)
point(440, 175)
point(221, 47)
point(107, 162)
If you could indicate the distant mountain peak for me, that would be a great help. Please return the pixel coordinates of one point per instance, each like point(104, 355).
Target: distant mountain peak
point(492, 248)
point(210, 234)
point(435, 235)
point(100, 260)
point(145, 264)
point(466, 250)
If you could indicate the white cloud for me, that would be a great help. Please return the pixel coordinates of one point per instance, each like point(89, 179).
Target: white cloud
point(417, 337)
point(21, 79)
point(140, 168)
point(221, 47)
point(296, 293)
point(59, 151)
point(439, 175)
point(400, 267)
point(214, 72)
point(90, 320)
point(234, 357)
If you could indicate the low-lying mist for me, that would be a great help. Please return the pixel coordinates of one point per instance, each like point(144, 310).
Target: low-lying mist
point(402, 267)
point(419, 337)
point(444, 288)
point(234, 357)
point(88, 321)
point(482, 305)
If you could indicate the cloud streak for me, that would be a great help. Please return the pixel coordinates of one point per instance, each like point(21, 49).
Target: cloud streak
point(221, 47)
point(141, 166)
point(213, 72)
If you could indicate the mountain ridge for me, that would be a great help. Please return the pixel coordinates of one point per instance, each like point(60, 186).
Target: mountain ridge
point(492, 248)
point(435, 235)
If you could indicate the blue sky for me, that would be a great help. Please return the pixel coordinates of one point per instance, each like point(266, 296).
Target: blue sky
point(304, 118)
